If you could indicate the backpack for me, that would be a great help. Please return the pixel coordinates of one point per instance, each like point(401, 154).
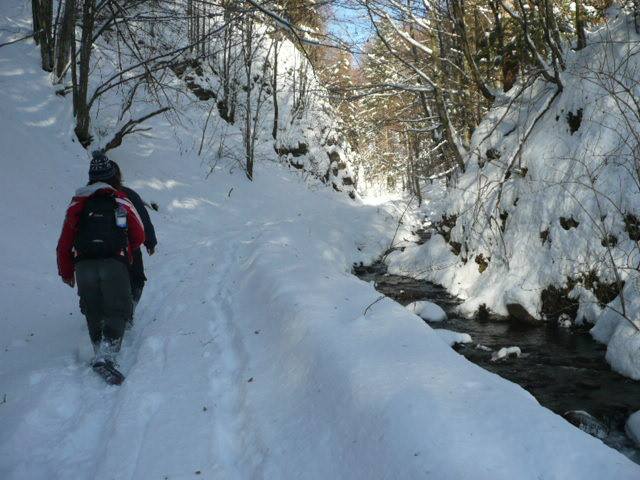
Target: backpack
point(98, 234)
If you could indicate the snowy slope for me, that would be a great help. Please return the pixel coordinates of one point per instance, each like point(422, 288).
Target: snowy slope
point(251, 356)
point(551, 227)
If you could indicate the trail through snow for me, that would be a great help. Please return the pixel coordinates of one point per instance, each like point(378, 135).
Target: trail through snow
point(178, 412)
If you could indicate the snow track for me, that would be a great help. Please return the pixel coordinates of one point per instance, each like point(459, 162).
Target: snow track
point(180, 409)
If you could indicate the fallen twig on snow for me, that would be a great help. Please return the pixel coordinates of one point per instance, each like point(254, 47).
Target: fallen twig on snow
point(372, 304)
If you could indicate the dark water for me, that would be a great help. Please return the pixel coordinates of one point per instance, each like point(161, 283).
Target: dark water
point(563, 368)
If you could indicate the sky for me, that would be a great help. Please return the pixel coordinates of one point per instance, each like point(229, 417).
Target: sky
point(351, 23)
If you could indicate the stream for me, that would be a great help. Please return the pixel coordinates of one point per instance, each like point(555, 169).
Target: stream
point(564, 369)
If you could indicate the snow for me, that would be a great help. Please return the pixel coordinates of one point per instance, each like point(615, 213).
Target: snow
point(623, 348)
point(565, 215)
point(427, 311)
point(632, 427)
point(506, 352)
point(453, 337)
point(251, 355)
point(620, 335)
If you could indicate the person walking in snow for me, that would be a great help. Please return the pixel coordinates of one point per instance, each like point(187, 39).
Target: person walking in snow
point(101, 231)
point(136, 269)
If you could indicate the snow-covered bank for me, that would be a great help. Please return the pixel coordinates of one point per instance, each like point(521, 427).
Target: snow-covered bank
point(550, 229)
point(252, 356)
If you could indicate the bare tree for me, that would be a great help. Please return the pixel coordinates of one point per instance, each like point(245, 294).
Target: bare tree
point(274, 90)
point(253, 44)
point(42, 14)
point(65, 37)
point(81, 88)
point(579, 23)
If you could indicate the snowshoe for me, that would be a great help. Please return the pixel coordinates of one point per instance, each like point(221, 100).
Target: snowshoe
point(108, 371)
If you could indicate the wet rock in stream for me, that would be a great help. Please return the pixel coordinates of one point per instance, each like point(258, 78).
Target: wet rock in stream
point(587, 423)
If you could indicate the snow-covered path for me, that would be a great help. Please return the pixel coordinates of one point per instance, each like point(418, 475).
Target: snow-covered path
point(180, 359)
point(182, 408)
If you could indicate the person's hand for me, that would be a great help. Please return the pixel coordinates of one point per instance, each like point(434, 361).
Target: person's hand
point(70, 281)
point(151, 250)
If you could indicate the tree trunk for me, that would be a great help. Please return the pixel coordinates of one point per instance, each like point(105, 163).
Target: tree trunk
point(66, 36)
point(450, 150)
point(74, 78)
point(276, 113)
point(452, 143)
point(190, 23)
point(227, 106)
point(510, 62)
point(582, 38)
point(83, 110)
point(247, 54)
point(461, 31)
point(415, 144)
point(552, 36)
point(43, 17)
point(35, 20)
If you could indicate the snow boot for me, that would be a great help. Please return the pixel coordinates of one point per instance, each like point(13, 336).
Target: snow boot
point(104, 363)
point(106, 351)
point(108, 371)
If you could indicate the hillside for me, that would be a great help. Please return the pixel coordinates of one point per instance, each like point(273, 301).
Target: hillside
point(543, 224)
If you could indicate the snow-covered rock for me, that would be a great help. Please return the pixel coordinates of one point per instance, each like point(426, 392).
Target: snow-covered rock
point(564, 321)
point(606, 325)
point(427, 311)
point(623, 350)
point(632, 427)
point(506, 352)
point(452, 337)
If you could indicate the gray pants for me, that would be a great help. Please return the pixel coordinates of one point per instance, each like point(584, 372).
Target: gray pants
point(105, 298)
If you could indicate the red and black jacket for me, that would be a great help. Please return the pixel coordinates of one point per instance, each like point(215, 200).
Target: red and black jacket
point(65, 251)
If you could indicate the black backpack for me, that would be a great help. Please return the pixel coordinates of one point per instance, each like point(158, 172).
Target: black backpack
point(98, 235)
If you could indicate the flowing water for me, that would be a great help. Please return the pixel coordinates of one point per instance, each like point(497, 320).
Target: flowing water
point(563, 368)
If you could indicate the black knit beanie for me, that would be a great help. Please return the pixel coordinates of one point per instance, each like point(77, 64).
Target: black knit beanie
point(101, 167)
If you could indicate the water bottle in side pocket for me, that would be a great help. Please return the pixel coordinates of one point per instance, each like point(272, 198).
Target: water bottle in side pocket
point(121, 217)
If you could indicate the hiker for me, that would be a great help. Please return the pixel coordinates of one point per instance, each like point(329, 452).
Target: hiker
point(136, 270)
point(101, 231)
